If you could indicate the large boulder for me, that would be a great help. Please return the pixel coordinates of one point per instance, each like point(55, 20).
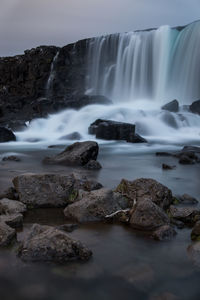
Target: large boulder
point(112, 130)
point(77, 154)
point(6, 135)
point(146, 188)
point(95, 206)
point(7, 234)
point(172, 106)
point(45, 243)
point(195, 107)
point(8, 206)
point(148, 216)
point(51, 190)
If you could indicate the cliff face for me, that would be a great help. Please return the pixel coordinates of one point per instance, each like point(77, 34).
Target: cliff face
point(26, 88)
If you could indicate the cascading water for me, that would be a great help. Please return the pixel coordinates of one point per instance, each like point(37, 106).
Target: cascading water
point(138, 71)
point(51, 75)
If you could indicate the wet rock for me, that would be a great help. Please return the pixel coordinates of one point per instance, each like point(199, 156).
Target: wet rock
point(169, 119)
point(10, 193)
point(8, 206)
point(13, 220)
point(95, 206)
point(6, 135)
point(45, 243)
point(187, 199)
point(74, 136)
point(186, 159)
point(11, 158)
point(67, 227)
point(119, 216)
point(188, 215)
point(195, 234)
point(177, 223)
point(7, 234)
point(172, 106)
point(77, 154)
point(51, 190)
point(163, 154)
point(165, 232)
point(195, 107)
point(168, 167)
point(112, 130)
point(148, 216)
point(194, 253)
point(136, 139)
point(93, 165)
point(191, 149)
point(146, 188)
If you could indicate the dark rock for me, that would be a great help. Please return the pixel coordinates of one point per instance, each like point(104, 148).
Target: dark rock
point(10, 193)
point(168, 167)
point(148, 216)
point(8, 206)
point(165, 232)
point(177, 223)
point(119, 216)
point(194, 253)
point(51, 190)
point(195, 107)
point(172, 106)
point(185, 159)
point(187, 199)
point(112, 130)
point(67, 227)
point(72, 136)
point(45, 243)
point(95, 206)
point(11, 158)
point(77, 154)
point(7, 234)
point(188, 215)
point(93, 165)
point(195, 234)
point(136, 139)
point(169, 119)
point(191, 149)
point(146, 188)
point(6, 135)
point(84, 100)
point(13, 220)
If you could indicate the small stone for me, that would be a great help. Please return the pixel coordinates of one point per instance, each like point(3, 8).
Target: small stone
point(168, 167)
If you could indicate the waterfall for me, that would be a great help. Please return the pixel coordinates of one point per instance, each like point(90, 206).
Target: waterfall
point(52, 75)
point(160, 65)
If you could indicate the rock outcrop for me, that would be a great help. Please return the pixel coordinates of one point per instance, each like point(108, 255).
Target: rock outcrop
point(172, 106)
point(6, 135)
point(195, 107)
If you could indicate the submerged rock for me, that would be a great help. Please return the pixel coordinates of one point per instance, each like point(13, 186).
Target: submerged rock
point(194, 253)
point(11, 158)
point(172, 106)
point(77, 154)
point(93, 165)
point(95, 206)
point(7, 234)
point(72, 136)
point(146, 188)
point(186, 199)
point(165, 232)
point(6, 135)
point(51, 190)
point(195, 234)
point(148, 216)
point(45, 243)
point(168, 167)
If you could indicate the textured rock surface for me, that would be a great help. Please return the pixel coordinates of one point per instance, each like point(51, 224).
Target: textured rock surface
point(45, 243)
point(8, 206)
point(172, 106)
point(165, 232)
point(148, 216)
point(146, 188)
point(95, 206)
point(51, 190)
point(185, 214)
point(78, 154)
point(13, 220)
point(7, 234)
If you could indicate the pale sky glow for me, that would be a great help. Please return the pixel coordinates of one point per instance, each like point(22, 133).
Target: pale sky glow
point(29, 23)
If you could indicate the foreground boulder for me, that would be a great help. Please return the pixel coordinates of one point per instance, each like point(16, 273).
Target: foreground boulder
point(95, 206)
point(195, 107)
point(112, 130)
point(8, 206)
point(51, 190)
point(7, 234)
point(146, 188)
point(45, 243)
point(172, 106)
point(6, 135)
point(77, 154)
point(148, 216)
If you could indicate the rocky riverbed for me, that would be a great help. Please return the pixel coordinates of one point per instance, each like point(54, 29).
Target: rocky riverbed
point(123, 259)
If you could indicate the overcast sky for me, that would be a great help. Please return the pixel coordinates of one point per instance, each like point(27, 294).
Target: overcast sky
point(29, 23)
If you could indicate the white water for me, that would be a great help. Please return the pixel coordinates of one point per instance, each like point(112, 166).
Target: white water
point(52, 75)
point(138, 71)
